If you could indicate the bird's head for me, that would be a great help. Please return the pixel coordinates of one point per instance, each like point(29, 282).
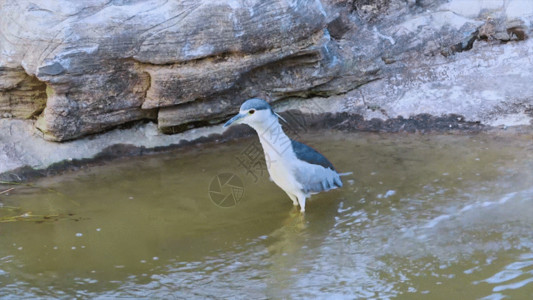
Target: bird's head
point(254, 112)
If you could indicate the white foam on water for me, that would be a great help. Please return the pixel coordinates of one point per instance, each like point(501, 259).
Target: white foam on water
point(480, 204)
point(512, 286)
point(432, 223)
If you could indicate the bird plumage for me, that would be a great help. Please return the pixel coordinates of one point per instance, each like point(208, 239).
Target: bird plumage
point(327, 177)
point(296, 168)
point(310, 155)
point(255, 103)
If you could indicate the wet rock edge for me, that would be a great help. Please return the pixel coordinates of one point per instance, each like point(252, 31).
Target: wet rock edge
point(344, 122)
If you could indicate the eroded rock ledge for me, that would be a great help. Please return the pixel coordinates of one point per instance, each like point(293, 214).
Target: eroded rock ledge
point(30, 156)
point(105, 63)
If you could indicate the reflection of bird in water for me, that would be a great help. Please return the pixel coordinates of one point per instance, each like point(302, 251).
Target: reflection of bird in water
point(289, 237)
point(285, 247)
point(294, 222)
point(296, 168)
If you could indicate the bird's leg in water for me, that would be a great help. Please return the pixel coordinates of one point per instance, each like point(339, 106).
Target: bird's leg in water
point(301, 200)
point(294, 199)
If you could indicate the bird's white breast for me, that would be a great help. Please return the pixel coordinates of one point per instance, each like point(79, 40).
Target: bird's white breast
point(283, 175)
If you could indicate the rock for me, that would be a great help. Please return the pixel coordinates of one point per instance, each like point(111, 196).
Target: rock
point(23, 147)
point(340, 25)
point(24, 155)
point(21, 95)
point(486, 85)
point(274, 81)
point(181, 83)
point(91, 103)
point(106, 63)
point(98, 64)
point(448, 60)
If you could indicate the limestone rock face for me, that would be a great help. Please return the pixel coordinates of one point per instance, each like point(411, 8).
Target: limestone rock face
point(469, 58)
point(105, 63)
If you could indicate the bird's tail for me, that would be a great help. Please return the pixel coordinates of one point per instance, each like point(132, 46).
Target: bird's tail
point(345, 174)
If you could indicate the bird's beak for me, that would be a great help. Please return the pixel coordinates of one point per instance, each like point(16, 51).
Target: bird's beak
point(235, 119)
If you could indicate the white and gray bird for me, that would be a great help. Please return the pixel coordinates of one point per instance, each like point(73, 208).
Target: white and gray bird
point(296, 168)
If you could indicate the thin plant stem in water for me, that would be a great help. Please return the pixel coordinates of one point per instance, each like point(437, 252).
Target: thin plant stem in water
point(39, 187)
point(6, 191)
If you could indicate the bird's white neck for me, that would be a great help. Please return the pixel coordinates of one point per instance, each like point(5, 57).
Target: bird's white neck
point(276, 144)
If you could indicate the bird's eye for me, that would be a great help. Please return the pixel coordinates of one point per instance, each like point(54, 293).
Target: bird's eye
point(251, 111)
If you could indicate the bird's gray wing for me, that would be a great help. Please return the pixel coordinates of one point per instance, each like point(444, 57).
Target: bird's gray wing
point(310, 155)
point(320, 180)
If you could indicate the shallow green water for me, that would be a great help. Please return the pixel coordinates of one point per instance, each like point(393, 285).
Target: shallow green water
point(423, 216)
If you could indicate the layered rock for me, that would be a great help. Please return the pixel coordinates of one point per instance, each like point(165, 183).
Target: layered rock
point(93, 65)
point(110, 62)
point(469, 58)
point(21, 95)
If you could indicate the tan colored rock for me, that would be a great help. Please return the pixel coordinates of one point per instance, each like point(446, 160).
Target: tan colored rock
point(110, 62)
point(21, 96)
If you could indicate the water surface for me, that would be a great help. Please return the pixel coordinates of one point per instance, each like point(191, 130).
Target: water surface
point(423, 216)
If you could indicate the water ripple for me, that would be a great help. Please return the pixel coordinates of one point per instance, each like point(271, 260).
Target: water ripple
point(506, 279)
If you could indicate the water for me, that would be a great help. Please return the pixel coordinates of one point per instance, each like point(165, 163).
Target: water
point(423, 216)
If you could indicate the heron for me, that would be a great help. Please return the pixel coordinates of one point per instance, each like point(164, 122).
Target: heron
point(296, 168)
